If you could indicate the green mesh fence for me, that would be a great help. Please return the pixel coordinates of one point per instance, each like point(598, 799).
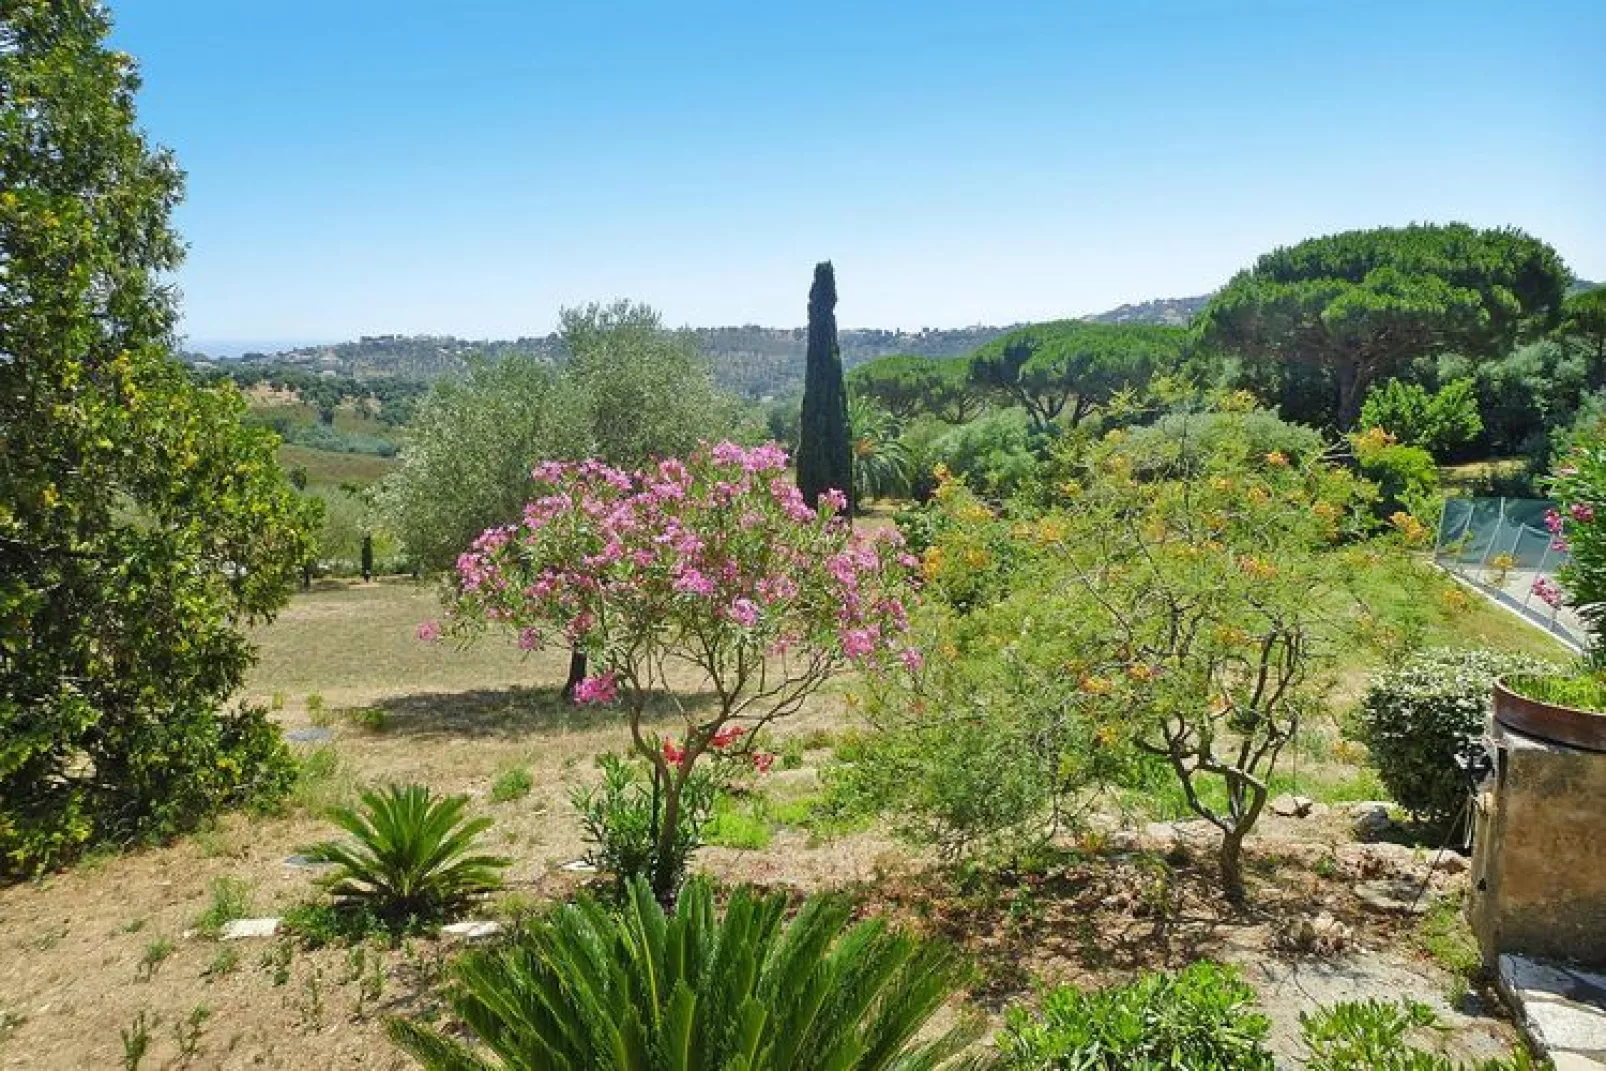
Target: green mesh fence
point(1501, 546)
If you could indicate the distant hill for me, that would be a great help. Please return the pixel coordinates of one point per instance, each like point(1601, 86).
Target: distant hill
point(1166, 312)
point(757, 362)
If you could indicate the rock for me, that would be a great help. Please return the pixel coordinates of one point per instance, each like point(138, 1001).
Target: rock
point(1399, 895)
point(240, 929)
point(301, 862)
point(1322, 934)
point(1451, 863)
point(578, 866)
point(472, 931)
point(310, 735)
point(1371, 819)
point(1292, 806)
point(1572, 1061)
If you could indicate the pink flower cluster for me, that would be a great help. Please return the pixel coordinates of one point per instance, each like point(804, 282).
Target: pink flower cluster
point(717, 549)
point(1547, 590)
point(603, 688)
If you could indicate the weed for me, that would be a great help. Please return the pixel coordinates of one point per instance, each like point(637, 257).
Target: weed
point(49, 939)
point(366, 967)
point(1444, 935)
point(317, 712)
point(277, 959)
point(319, 923)
point(155, 953)
point(323, 781)
point(373, 719)
point(226, 961)
point(231, 899)
point(792, 753)
point(277, 702)
point(735, 827)
point(512, 784)
point(136, 1041)
point(133, 925)
point(9, 1021)
point(312, 998)
point(187, 1032)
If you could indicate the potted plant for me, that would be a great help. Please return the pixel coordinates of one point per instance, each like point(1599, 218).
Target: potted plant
point(1567, 709)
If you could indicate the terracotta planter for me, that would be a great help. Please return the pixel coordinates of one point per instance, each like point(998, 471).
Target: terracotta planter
point(1562, 725)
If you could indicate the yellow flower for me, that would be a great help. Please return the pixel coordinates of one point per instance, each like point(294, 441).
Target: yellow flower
point(1413, 530)
point(976, 558)
point(50, 495)
point(1140, 672)
point(1255, 567)
point(1277, 459)
point(1096, 685)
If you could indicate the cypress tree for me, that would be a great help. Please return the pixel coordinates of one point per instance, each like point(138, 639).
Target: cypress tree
point(824, 456)
point(367, 558)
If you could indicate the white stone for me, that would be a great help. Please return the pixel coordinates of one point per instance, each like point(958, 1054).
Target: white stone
point(240, 929)
point(578, 866)
point(1292, 806)
point(472, 931)
point(1572, 1061)
point(1393, 894)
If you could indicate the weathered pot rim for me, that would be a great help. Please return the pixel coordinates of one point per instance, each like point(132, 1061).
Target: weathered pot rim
point(1572, 726)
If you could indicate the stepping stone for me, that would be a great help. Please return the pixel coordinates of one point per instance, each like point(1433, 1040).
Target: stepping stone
point(1292, 806)
point(1562, 1009)
point(241, 929)
point(578, 866)
point(301, 862)
point(310, 735)
point(472, 931)
point(1402, 895)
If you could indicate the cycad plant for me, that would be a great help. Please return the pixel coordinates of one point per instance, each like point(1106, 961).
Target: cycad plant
point(415, 856)
point(586, 988)
point(881, 461)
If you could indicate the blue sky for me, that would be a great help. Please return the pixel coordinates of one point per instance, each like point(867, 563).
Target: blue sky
point(358, 166)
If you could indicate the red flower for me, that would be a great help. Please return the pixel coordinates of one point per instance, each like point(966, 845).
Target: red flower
point(762, 761)
point(727, 736)
point(675, 756)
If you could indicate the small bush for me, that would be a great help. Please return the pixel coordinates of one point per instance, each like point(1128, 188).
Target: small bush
point(1375, 1035)
point(512, 785)
point(374, 719)
point(1407, 477)
point(621, 822)
point(323, 782)
point(746, 990)
point(415, 856)
point(1419, 718)
point(1200, 1018)
point(735, 826)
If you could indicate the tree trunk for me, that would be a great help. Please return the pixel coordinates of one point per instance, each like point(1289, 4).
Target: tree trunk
point(665, 872)
point(1230, 859)
point(1350, 396)
point(577, 673)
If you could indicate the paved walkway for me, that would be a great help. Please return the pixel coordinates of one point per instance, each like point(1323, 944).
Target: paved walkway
point(1562, 1010)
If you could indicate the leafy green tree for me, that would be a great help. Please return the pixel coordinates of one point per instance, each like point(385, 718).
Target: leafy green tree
point(911, 386)
point(1347, 310)
point(474, 440)
point(881, 462)
point(688, 990)
point(1584, 324)
point(140, 523)
point(1068, 368)
point(825, 456)
point(1439, 422)
point(647, 391)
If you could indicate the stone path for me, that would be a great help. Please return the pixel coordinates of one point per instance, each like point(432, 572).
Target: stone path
point(1562, 1009)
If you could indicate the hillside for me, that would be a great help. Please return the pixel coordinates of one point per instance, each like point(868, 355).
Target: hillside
point(756, 362)
point(1166, 312)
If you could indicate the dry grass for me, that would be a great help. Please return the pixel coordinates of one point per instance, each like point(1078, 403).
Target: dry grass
point(328, 468)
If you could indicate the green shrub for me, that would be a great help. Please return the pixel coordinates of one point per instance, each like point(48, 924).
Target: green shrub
point(1440, 422)
point(620, 817)
point(1200, 1018)
point(1193, 442)
point(415, 856)
point(585, 988)
point(1407, 477)
point(512, 784)
point(1418, 718)
point(1374, 1035)
point(746, 828)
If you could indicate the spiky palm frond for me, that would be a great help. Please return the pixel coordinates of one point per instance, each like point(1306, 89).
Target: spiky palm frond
point(413, 854)
point(649, 991)
point(881, 461)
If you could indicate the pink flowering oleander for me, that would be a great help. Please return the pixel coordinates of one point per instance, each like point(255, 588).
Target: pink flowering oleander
point(429, 631)
point(1582, 512)
point(712, 565)
point(599, 689)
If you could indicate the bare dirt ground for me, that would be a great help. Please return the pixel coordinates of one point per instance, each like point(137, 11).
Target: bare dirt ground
point(87, 953)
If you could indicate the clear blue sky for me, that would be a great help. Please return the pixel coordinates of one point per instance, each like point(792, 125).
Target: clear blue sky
point(358, 166)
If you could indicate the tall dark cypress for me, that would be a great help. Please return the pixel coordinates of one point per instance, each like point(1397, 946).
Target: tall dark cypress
point(824, 456)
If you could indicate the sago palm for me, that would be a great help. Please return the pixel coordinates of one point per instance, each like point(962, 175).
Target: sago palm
point(414, 855)
point(648, 991)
